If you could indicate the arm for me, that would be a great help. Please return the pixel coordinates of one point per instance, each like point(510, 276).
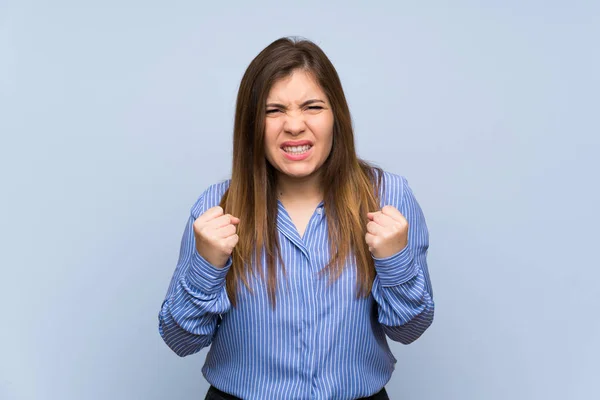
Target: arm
point(402, 287)
point(195, 298)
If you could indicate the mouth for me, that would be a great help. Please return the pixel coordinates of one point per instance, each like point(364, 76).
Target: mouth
point(296, 150)
point(296, 147)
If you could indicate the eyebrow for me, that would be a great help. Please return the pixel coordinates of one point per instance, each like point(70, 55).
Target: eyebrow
point(307, 102)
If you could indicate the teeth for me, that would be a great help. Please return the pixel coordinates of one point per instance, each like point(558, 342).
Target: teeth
point(297, 149)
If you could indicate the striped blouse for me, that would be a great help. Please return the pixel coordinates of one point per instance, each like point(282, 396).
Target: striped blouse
point(320, 342)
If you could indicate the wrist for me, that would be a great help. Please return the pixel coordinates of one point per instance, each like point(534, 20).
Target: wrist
point(396, 268)
point(205, 275)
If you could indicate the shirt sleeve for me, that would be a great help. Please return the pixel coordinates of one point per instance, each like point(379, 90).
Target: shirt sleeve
point(402, 287)
point(188, 319)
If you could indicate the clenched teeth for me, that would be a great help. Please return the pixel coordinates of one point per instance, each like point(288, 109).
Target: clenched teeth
point(297, 149)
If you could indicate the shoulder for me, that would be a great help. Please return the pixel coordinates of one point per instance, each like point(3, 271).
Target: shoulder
point(210, 197)
point(393, 188)
point(397, 192)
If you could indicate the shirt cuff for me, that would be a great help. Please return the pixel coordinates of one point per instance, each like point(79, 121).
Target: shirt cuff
point(204, 276)
point(397, 268)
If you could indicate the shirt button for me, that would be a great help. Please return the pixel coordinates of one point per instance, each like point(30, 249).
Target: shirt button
point(319, 210)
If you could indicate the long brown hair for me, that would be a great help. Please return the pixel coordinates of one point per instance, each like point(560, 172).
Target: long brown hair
point(351, 186)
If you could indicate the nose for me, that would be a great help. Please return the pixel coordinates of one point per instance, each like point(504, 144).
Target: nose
point(294, 123)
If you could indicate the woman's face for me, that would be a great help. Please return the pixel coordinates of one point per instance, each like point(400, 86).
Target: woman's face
point(298, 126)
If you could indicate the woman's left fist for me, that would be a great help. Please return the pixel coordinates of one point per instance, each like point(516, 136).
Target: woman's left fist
point(387, 232)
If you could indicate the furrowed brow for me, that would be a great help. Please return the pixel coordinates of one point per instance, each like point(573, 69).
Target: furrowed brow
point(306, 103)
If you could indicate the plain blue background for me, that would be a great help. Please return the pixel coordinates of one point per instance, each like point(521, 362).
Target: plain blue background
point(116, 115)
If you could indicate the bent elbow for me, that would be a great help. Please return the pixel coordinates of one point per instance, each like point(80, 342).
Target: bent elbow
point(413, 329)
point(181, 342)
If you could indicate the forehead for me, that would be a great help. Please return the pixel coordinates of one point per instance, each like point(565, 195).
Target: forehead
point(298, 86)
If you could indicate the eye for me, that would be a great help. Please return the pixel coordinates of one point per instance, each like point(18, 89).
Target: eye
point(272, 111)
point(315, 108)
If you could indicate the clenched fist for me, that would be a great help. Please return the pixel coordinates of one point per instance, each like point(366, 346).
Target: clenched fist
point(387, 232)
point(215, 235)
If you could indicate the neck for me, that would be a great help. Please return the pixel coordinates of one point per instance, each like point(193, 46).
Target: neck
point(299, 190)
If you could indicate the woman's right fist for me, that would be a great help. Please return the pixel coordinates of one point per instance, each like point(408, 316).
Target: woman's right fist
point(215, 235)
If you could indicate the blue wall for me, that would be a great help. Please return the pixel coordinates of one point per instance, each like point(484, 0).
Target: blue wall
point(115, 115)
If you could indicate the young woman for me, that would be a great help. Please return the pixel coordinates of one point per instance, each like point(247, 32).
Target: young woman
point(297, 268)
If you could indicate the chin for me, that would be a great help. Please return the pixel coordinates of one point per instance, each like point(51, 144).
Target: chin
point(297, 172)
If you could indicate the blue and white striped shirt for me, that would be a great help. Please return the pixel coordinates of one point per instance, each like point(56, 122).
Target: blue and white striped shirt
point(320, 342)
